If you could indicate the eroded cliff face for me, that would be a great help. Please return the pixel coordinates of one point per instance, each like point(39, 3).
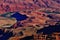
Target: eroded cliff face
point(23, 5)
point(41, 14)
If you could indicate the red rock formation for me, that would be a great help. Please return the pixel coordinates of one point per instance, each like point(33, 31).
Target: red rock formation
point(20, 5)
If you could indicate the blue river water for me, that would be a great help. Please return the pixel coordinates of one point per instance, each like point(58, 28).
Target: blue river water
point(19, 17)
